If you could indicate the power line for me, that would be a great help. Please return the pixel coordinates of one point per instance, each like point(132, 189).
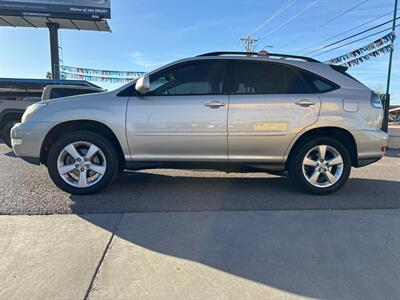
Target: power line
point(363, 38)
point(283, 8)
point(250, 42)
point(356, 27)
point(291, 19)
point(344, 32)
point(347, 11)
point(347, 38)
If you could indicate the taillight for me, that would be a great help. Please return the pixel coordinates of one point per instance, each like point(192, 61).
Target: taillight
point(376, 101)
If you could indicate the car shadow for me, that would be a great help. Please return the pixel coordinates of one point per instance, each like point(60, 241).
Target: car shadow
point(393, 153)
point(10, 154)
point(152, 192)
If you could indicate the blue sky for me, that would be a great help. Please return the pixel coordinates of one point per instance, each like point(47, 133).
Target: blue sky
point(147, 34)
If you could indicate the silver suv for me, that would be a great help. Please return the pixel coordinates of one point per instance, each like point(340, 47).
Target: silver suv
point(230, 111)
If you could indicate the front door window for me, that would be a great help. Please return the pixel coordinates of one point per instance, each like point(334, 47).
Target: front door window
point(195, 78)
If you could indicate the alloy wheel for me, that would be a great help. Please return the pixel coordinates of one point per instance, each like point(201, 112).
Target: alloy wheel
point(81, 164)
point(323, 166)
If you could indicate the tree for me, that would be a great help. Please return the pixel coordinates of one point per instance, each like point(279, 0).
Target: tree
point(379, 89)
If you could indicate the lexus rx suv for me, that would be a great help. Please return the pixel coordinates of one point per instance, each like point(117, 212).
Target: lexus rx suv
point(230, 111)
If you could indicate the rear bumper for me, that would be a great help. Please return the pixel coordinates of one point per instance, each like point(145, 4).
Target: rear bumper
point(371, 146)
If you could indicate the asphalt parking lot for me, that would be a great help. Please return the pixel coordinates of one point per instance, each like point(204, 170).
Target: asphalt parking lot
point(27, 189)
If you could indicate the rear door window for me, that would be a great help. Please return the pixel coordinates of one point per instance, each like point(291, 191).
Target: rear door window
point(276, 78)
point(259, 78)
point(295, 83)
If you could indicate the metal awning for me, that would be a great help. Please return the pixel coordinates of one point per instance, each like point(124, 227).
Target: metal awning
point(29, 83)
point(41, 22)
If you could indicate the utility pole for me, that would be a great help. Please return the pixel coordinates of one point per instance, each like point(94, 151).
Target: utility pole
point(249, 43)
point(387, 100)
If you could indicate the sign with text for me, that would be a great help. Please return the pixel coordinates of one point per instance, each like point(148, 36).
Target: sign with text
point(62, 9)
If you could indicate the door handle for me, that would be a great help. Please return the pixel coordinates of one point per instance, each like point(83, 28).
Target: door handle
point(305, 103)
point(215, 104)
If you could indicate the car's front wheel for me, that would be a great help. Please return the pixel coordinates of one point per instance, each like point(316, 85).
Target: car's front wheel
point(321, 166)
point(82, 163)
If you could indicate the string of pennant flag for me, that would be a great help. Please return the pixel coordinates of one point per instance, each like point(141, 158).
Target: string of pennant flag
point(368, 56)
point(98, 75)
point(66, 75)
point(364, 53)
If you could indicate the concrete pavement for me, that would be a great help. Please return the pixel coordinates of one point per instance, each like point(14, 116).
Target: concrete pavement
point(202, 255)
point(51, 257)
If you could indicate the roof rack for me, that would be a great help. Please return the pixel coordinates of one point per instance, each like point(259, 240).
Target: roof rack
point(309, 59)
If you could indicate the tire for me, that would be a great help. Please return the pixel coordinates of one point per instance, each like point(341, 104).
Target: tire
point(82, 164)
point(7, 131)
point(320, 176)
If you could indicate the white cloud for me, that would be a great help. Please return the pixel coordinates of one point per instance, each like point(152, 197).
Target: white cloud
point(143, 61)
point(198, 27)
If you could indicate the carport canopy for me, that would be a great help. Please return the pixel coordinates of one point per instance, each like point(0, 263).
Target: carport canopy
point(20, 88)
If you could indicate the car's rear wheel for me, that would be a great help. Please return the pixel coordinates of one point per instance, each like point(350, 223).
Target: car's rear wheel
point(6, 132)
point(321, 166)
point(82, 163)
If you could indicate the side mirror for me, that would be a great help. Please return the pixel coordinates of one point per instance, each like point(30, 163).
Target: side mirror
point(143, 85)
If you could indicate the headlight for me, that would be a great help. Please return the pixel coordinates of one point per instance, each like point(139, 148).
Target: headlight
point(31, 110)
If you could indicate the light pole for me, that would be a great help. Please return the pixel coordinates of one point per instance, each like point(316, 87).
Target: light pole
point(387, 100)
point(54, 50)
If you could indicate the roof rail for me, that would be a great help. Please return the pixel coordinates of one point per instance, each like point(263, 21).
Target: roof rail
point(309, 59)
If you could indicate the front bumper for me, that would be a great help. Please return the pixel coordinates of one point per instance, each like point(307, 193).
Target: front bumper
point(371, 146)
point(27, 139)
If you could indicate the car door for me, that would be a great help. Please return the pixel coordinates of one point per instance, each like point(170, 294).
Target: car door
point(184, 115)
point(270, 103)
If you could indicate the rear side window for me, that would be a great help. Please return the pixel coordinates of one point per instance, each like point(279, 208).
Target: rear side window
point(275, 78)
point(322, 86)
point(59, 93)
point(317, 84)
